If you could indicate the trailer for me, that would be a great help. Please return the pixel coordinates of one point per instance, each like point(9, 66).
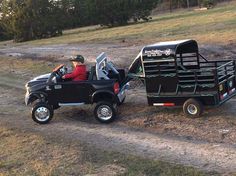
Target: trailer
point(176, 74)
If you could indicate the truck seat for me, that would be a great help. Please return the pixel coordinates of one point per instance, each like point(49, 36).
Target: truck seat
point(92, 74)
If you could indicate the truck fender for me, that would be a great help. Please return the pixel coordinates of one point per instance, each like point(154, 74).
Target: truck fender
point(35, 96)
point(103, 96)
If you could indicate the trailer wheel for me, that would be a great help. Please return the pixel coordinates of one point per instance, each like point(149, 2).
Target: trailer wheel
point(42, 113)
point(192, 108)
point(105, 112)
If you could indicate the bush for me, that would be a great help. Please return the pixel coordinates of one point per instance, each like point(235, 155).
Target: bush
point(119, 12)
point(4, 35)
point(31, 19)
point(209, 3)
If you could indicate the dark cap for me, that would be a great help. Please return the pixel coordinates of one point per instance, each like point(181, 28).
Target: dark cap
point(78, 58)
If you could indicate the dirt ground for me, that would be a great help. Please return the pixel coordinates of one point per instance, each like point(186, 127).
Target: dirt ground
point(207, 143)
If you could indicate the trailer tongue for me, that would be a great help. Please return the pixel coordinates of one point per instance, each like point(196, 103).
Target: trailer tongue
point(175, 74)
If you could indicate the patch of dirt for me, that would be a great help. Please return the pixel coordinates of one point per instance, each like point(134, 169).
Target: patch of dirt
point(215, 125)
point(62, 52)
point(219, 52)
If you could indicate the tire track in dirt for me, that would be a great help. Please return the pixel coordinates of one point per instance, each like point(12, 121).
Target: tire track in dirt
point(206, 156)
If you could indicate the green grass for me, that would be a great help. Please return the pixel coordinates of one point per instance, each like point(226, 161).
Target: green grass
point(217, 25)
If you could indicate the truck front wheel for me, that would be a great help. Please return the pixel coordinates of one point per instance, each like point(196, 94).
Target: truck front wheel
point(192, 108)
point(42, 113)
point(105, 112)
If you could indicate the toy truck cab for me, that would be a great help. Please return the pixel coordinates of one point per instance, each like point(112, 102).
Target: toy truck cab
point(176, 74)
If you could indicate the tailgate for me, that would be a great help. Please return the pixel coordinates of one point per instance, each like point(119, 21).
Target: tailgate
point(226, 77)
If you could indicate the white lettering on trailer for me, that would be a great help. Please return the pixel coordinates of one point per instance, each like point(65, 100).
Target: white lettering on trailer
point(153, 53)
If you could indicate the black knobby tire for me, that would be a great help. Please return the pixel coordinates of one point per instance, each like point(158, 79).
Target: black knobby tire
point(42, 113)
point(105, 112)
point(193, 108)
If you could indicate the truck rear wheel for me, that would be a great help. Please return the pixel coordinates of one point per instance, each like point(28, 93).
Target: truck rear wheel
point(192, 108)
point(105, 112)
point(42, 113)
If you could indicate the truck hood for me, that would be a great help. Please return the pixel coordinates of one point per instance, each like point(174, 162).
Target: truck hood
point(42, 77)
point(37, 83)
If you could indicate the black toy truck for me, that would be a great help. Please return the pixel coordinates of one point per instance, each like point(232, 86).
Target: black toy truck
point(104, 87)
point(175, 74)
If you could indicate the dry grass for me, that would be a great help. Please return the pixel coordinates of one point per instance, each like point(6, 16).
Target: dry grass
point(15, 72)
point(212, 26)
point(29, 154)
point(33, 65)
point(24, 153)
point(24, 68)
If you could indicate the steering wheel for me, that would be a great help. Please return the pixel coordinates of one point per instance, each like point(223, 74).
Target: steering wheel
point(59, 72)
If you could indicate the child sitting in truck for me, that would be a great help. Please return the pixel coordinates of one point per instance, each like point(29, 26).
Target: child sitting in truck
point(79, 73)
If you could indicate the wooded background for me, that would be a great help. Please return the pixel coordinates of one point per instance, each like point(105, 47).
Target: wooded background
point(24, 20)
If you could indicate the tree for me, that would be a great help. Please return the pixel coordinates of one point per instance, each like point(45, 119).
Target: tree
point(3, 33)
point(188, 3)
point(119, 12)
point(209, 3)
point(142, 9)
point(31, 19)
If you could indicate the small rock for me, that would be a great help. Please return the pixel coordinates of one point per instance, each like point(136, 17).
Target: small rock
point(224, 131)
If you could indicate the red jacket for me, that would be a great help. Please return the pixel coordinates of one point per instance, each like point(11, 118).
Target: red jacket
point(78, 74)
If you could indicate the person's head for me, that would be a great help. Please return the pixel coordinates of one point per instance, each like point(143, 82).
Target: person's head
point(77, 60)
